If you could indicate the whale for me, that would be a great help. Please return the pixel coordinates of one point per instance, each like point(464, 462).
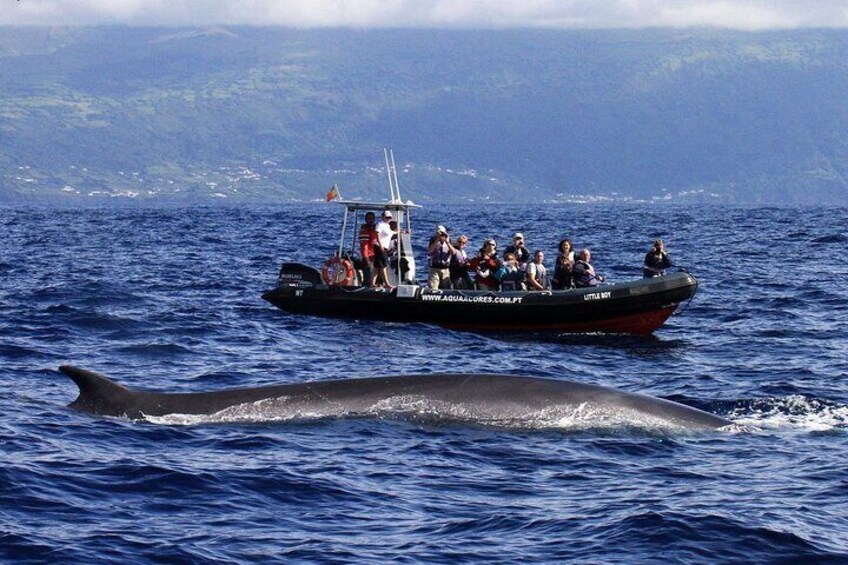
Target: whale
point(489, 399)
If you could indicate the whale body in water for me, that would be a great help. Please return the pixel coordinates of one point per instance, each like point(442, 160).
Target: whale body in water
point(487, 399)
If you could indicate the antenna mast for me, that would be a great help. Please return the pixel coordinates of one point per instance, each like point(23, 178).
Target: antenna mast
point(391, 173)
point(394, 172)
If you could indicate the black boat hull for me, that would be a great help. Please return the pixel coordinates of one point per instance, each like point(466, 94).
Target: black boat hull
point(637, 307)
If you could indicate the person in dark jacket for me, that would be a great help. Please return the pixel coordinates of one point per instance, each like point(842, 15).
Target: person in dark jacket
point(522, 254)
point(486, 264)
point(656, 260)
point(562, 268)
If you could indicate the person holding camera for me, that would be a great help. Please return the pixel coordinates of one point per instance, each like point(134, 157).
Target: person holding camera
point(656, 261)
point(459, 265)
point(438, 259)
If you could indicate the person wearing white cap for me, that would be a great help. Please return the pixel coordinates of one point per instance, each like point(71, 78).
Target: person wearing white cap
point(439, 255)
point(384, 231)
point(518, 248)
point(381, 256)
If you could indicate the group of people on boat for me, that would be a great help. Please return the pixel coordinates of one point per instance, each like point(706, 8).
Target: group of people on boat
point(451, 266)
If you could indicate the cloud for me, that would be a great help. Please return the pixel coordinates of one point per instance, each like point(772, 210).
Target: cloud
point(734, 14)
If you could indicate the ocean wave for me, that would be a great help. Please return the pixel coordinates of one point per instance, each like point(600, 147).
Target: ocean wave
point(695, 537)
point(155, 350)
point(19, 352)
point(103, 321)
point(831, 238)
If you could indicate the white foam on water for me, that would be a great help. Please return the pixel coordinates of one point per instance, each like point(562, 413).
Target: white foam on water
point(792, 412)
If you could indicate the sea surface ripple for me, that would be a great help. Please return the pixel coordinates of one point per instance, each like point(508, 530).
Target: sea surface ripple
point(167, 298)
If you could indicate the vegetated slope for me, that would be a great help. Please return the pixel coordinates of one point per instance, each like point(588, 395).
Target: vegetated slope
point(270, 113)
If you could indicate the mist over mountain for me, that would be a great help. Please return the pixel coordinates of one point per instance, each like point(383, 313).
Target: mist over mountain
point(271, 114)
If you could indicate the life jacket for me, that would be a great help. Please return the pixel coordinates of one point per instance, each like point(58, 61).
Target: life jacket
point(458, 263)
point(440, 258)
point(367, 239)
point(539, 274)
point(583, 274)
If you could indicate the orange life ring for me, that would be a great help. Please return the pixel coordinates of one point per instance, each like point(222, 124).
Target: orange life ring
point(337, 271)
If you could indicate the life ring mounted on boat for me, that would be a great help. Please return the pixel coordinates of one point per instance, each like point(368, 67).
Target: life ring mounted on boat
point(337, 271)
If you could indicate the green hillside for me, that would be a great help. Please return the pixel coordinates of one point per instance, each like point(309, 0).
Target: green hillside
point(275, 114)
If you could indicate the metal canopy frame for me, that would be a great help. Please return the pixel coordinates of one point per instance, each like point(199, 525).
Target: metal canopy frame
point(396, 205)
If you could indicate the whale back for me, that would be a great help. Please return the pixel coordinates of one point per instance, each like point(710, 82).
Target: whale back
point(482, 398)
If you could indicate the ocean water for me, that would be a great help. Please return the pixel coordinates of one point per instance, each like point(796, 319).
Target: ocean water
point(170, 299)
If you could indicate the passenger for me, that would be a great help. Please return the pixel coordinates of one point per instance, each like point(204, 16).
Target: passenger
point(368, 240)
point(537, 274)
point(392, 252)
point(510, 262)
point(439, 256)
point(562, 269)
point(486, 264)
point(459, 265)
point(384, 230)
point(381, 250)
point(512, 276)
point(583, 271)
point(393, 240)
point(656, 260)
point(517, 247)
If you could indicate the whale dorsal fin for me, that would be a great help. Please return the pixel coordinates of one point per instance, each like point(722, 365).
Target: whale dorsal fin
point(97, 394)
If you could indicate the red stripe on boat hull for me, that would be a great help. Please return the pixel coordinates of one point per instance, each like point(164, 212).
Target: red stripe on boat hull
point(639, 324)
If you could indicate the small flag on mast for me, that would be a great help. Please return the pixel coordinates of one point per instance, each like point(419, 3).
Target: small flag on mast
point(333, 193)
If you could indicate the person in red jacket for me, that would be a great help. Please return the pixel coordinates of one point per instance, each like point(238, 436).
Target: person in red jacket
point(367, 239)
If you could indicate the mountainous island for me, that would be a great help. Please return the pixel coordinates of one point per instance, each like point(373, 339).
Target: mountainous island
point(245, 114)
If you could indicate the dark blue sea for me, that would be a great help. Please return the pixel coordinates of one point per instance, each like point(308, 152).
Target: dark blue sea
point(170, 299)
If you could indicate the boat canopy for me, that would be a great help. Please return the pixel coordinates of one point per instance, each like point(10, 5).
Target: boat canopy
point(354, 205)
point(402, 215)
